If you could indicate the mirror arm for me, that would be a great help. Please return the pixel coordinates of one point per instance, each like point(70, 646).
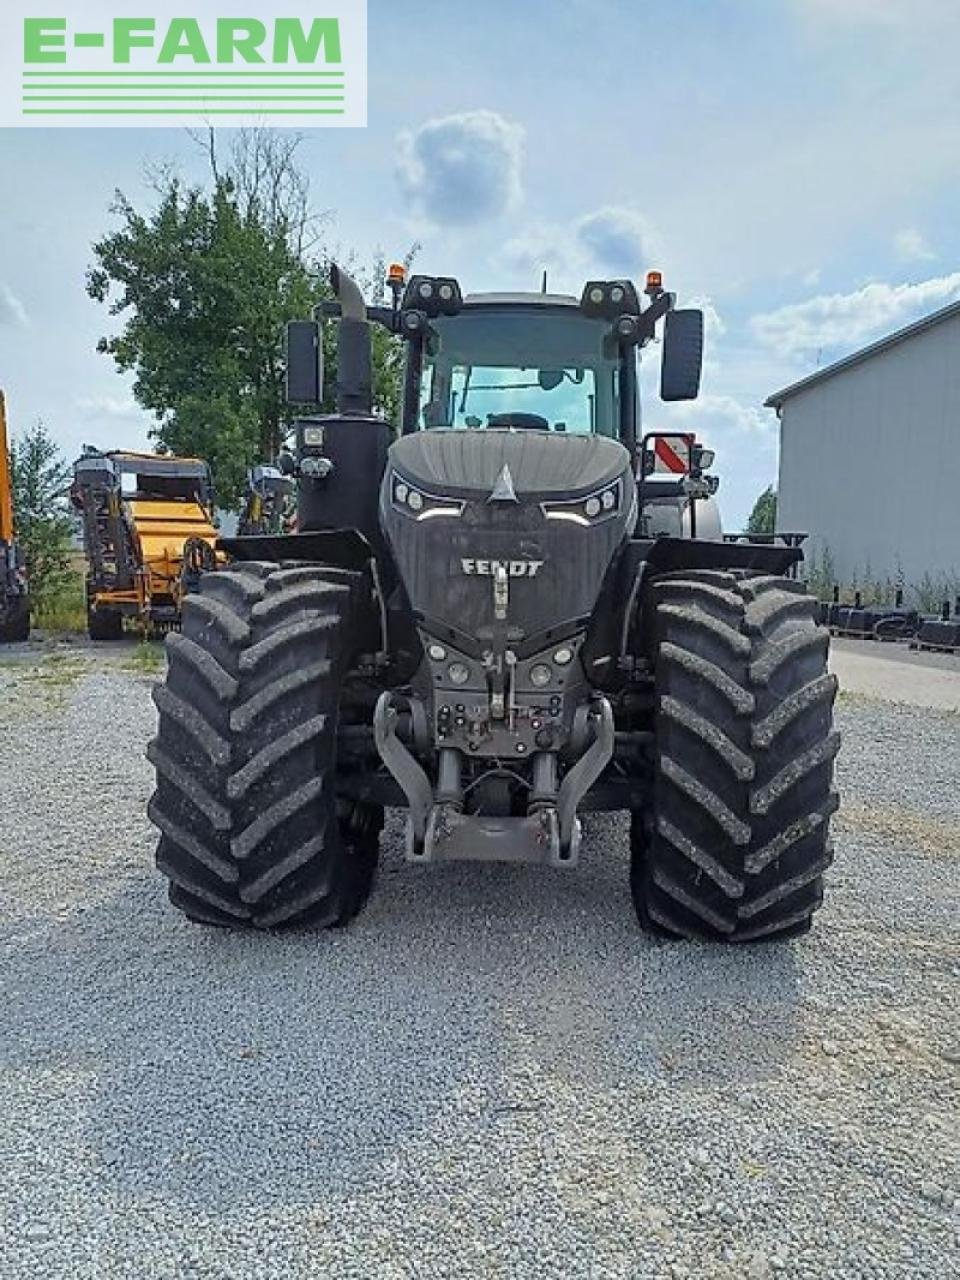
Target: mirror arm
point(386, 317)
point(657, 309)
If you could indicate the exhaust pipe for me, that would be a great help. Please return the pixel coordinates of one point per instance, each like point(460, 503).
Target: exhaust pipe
point(352, 305)
point(354, 359)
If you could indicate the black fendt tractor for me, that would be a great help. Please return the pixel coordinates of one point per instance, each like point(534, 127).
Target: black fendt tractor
point(485, 618)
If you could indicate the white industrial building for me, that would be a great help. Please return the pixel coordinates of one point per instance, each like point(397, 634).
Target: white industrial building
point(870, 458)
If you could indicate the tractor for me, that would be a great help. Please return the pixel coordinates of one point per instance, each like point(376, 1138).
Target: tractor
point(499, 616)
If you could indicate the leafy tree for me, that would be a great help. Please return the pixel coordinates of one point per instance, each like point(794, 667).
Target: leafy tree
point(763, 517)
point(205, 284)
point(40, 476)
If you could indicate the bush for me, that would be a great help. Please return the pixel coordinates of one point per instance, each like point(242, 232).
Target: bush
point(65, 607)
point(43, 526)
point(763, 517)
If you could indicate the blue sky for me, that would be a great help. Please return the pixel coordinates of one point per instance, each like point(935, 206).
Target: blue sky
point(794, 165)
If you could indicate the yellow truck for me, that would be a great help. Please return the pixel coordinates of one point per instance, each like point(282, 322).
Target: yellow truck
point(14, 600)
point(148, 534)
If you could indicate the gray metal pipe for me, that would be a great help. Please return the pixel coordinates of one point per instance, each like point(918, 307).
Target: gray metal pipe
point(352, 305)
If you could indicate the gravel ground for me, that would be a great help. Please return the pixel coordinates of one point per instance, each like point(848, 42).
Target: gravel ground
point(493, 1073)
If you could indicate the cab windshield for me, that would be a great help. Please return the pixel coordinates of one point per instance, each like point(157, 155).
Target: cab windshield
point(541, 367)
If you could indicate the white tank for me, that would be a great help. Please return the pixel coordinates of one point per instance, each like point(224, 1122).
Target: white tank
point(671, 518)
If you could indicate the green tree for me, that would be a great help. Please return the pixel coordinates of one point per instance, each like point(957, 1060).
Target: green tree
point(40, 477)
point(763, 517)
point(205, 283)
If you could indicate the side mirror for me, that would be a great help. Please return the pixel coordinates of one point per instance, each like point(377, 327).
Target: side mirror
point(304, 362)
point(286, 463)
point(682, 360)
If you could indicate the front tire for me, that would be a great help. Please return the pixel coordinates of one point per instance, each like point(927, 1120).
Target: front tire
point(252, 831)
point(736, 842)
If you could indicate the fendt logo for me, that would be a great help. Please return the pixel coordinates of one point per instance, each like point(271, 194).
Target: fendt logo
point(91, 65)
point(512, 568)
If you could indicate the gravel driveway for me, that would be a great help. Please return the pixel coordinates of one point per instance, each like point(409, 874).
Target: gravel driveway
point(491, 1074)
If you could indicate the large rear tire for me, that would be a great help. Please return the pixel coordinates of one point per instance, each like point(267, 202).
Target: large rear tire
point(736, 842)
point(252, 831)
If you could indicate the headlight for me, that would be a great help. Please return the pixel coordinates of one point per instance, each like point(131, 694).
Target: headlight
point(414, 502)
point(540, 675)
point(587, 511)
point(609, 299)
point(313, 437)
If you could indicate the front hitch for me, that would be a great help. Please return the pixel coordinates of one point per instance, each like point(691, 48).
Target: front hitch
point(437, 830)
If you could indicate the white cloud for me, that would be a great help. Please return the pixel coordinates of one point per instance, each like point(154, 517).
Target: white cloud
point(542, 247)
point(845, 320)
point(613, 241)
point(108, 407)
point(462, 169)
point(912, 247)
point(13, 314)
point(713, 325)
point(724, 417)
point(620, 241)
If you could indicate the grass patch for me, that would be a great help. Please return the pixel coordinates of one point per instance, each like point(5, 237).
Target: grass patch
point(147, 659)
point(63, 611)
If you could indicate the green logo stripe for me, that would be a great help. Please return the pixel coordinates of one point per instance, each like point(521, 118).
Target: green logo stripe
point(126, 97)
point(32, 92)
point(252, 75)
point(189, 111)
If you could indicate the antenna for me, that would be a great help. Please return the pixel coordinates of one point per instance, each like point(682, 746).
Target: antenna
point(543, 283)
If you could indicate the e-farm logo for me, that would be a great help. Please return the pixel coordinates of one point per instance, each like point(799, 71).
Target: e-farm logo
point(94, 63)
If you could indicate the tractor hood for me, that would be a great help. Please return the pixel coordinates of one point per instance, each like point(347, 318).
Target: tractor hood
point(543, 512)
point(540, 462)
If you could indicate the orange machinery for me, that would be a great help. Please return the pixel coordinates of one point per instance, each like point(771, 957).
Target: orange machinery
point(14, 601)
point(148, 532)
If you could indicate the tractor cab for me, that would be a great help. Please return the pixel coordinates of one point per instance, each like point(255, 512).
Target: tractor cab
point(547, 377)
point(520, 362)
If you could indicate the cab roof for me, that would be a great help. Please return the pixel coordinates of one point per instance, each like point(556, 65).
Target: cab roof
point(164, 464)
point(521, 299)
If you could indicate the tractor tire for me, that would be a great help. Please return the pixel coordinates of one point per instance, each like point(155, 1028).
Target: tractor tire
point(252, 831)
point(15, 627)
point(736, 841)
point(104, 624)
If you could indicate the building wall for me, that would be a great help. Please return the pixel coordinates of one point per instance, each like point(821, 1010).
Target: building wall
point(870, 461)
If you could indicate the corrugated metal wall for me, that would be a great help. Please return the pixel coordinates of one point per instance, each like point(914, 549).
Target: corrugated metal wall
point(870, 461)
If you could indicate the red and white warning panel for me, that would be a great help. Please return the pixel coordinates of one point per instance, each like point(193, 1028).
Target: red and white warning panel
point(672, 454)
